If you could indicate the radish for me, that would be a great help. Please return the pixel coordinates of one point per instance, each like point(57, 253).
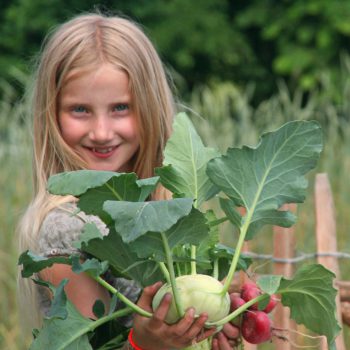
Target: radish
point(272, 304)
point(256, 327)
point(250, 291)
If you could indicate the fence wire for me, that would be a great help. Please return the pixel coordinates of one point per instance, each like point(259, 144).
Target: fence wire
point(301, 256)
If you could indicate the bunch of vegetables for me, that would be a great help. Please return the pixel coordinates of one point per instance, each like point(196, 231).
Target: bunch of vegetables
point(177, 240)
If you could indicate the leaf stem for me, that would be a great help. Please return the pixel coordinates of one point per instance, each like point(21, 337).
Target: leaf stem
point(122, 297)
point(218, 221)
point(238, 311)
point(171, 270)
point(112, 316)
point(193, 260)
point(216, 269)
point(235, 258)
point(164, 271)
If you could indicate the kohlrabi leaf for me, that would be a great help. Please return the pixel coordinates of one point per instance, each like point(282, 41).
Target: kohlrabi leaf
point(32, 263)
point(191, 229)
point(134, 219)
point(68, 333)
point(233, 215)
point(310, 295)
point(264, 178)
point(93, 188)
point(122, 260)
point(224, 255)
point(90, 231)
point(92, 266)
point(185, 161)
point(58, 308)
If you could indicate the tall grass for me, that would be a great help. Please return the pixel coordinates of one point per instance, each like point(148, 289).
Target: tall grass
point(224, 117)
point(15, 185)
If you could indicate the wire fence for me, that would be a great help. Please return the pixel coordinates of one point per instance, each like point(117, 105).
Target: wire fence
point(296, 259)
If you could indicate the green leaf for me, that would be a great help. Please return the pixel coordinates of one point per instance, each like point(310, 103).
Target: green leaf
point(78, 182)
point(185, 161)
point(90, 231)
point(69, 333)
point(32, 263)
point(269, 283)
point(92, 266)
point(264, 178)
point(310, 295)
point(225, 255)
point(98, 308)
point(93, 188)
point(134, 219)
point(191, 229)
point(228, 207)
point(122, 260)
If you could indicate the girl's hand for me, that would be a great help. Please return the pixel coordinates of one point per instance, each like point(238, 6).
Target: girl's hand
point(154, 334)
point(227, 339)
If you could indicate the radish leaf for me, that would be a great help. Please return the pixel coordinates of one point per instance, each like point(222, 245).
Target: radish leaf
point(311, 299)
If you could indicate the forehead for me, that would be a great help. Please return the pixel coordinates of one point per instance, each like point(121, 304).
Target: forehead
point(104, 77)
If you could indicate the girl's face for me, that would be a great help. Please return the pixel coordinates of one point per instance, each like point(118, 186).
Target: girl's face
point(96, 118)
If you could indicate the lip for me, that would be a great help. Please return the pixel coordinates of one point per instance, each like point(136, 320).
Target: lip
point(102, 152)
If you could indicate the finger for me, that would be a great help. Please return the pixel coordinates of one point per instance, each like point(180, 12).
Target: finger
point(206, 333)
point(145, 300)
point(159, 315)
point(230, 331)
point(184, 324)
point(223, 342)
point(192, 326)
point(215, 344)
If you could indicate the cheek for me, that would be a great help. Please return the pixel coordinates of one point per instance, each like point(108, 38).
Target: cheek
point(130, 130)
point(69, 131)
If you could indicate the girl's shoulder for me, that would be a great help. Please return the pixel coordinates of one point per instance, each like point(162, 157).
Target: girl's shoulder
point(61, 227)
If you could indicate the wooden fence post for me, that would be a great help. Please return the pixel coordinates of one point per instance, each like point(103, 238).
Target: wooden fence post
point(326, 238)
point(283, 248)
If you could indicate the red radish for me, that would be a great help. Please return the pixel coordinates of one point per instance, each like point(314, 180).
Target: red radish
point(256, 327)
point(271, 305)
point(236, 302)
point(250, 291)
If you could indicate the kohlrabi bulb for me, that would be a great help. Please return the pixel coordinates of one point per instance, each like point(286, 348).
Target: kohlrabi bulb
point(199, 291)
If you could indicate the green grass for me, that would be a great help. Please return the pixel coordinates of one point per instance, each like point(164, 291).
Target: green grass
point(224, 117)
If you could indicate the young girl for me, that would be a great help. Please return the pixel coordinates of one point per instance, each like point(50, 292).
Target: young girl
point(101, 101)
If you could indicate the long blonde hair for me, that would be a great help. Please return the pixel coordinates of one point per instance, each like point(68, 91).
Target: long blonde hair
point(85, 42)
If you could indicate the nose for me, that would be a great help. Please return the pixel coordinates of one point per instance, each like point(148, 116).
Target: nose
point(101, 129)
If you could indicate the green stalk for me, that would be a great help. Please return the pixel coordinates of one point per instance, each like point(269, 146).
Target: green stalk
point(164, 271)
point(218, 221)
point(216, 269)
point(112, 316)
point(237, 312)
point(122, 297)
point(171, 270)
point(238, 250)
point(193, 260)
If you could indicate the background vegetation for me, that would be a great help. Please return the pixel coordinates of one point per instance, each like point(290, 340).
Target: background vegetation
point(242, 67)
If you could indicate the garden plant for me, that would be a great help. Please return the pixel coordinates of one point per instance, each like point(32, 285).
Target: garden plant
point(178, 240)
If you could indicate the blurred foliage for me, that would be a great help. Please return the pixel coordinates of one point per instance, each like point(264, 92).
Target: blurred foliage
point(205, 41)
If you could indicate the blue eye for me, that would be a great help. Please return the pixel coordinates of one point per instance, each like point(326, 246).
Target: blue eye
point(79, 109)
point(121, 107)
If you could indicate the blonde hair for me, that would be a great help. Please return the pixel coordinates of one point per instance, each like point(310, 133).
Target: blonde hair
point(83, 43)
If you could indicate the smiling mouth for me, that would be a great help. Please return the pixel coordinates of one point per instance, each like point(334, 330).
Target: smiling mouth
point(103, 150)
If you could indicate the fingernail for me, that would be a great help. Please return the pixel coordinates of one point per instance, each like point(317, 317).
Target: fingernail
point(191, 311)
